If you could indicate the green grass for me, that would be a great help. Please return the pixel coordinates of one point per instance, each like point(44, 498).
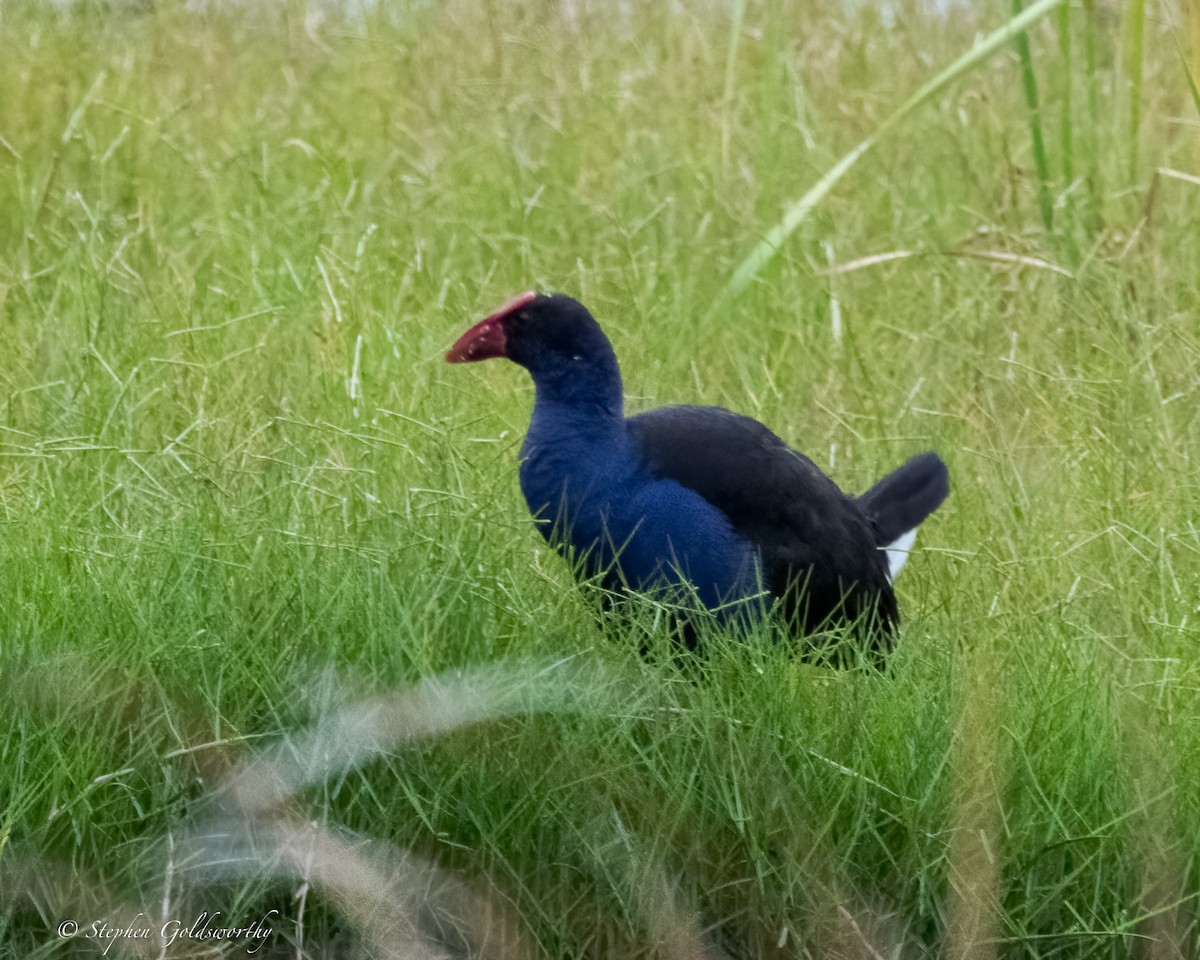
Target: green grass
point(243, 498)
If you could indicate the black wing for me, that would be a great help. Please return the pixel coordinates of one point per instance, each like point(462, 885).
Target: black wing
point(819, 550)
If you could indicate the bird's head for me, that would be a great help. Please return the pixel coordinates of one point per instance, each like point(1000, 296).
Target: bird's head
point(554, 337)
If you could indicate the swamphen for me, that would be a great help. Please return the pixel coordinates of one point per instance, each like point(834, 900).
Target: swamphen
point(696, 498)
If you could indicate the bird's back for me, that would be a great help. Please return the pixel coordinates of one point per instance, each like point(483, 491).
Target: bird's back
point(817, 547)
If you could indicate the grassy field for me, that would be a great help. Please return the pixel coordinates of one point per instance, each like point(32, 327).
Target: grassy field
point(277, 637)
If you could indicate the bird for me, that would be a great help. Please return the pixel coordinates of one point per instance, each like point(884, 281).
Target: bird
point(697, 502)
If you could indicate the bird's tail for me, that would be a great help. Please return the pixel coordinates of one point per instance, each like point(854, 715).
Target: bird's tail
point(898, 503)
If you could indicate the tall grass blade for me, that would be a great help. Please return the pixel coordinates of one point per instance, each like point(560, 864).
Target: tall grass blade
point(1029, 81)
point(401, 905)
point(1092, 124)
point(735, 33)
point(974, 858)
point(1188, 72)
point(360, 731)
point(1192, 13)
point(1135, 38)
point(764, 252)
point(1066, 137)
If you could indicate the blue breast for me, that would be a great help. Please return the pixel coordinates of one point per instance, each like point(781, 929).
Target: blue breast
point(594, 500)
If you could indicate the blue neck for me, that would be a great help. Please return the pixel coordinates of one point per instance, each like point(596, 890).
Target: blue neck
point(585, 388)
point(576, 457)
point(585, 446)
point(578, 419)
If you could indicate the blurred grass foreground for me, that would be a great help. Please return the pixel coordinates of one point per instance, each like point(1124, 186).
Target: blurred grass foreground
point(286, 669)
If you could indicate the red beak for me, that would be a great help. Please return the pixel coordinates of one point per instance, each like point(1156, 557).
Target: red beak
point(487, 338)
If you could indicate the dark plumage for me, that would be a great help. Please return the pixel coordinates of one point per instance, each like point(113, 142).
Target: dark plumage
point(686, 497)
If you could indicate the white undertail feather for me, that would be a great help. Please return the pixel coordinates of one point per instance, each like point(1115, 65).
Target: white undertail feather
point(897, 552)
